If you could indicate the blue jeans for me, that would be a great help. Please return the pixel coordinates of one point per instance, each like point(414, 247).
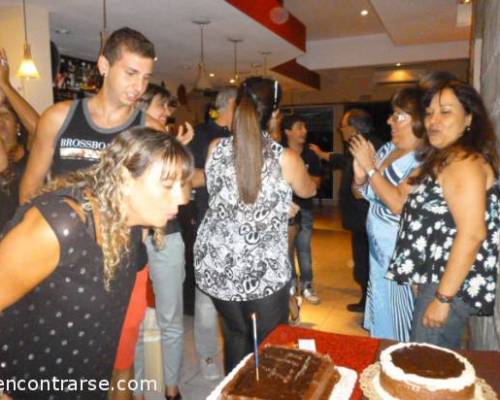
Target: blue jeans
point(302, 246)
point(450, 335)
point(166, 268)
point(206, 326)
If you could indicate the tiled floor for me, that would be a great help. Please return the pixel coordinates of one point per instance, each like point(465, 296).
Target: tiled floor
point(332, 262)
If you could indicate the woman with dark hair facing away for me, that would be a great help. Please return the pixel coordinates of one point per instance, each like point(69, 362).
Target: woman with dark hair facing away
point(381, 178)
point(68, 264)
point(448, 240)
point(241, 251)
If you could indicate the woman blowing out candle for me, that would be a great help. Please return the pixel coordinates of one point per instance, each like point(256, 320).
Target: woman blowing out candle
point(68, 264)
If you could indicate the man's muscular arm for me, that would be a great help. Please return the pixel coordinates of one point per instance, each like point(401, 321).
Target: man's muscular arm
point(42, 151)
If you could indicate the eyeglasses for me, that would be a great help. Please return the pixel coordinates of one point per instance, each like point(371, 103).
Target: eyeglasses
point(399, 116)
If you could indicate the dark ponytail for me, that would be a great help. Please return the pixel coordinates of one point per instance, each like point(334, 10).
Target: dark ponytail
point(247, 149)
point(256, 100)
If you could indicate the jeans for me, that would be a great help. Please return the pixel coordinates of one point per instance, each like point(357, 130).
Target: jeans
point(237, 323)
point(166, 268)
point(450, 335)
point(206, 330)
point(303, 249)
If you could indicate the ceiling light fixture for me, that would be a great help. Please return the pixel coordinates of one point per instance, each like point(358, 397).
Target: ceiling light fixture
point(104, 32)
point(279, 15)
point(236, 76)
point(202, 81)
point(364, 13)
point(27, 69)
point(211, 74)
point(256, 67)
point(265, 54)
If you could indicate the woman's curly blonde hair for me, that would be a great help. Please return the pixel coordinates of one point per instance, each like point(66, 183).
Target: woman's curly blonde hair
point(134, 149)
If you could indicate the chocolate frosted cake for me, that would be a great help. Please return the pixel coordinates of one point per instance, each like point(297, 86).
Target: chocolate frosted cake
point(284, 373)
point(416, 371)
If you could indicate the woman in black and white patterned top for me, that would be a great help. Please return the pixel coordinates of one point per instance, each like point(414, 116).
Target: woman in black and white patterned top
point(449, 233)
point(241, 250)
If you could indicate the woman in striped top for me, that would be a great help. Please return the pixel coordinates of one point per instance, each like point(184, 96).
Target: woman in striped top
point(381, 178)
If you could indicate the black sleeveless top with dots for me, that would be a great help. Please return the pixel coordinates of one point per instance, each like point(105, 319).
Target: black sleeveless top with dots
point(69, 325)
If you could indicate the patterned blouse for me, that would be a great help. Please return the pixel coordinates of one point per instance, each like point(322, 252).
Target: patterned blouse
point(241, 250)
point(425, 239)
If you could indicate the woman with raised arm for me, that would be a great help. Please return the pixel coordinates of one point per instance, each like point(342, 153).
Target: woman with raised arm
point(241, 251)
point(15, 113)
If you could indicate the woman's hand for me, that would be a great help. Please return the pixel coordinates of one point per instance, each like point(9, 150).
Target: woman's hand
point(4, 69)
point(293, 210)
point(436, 315)
point(324, 155)
point(185, 133)
point(363, 151)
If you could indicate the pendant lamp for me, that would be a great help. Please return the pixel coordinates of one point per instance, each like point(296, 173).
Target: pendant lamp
point(236, 77)
point(27, 69)
point(104, 33)
point(202, 81)
point(265, 54)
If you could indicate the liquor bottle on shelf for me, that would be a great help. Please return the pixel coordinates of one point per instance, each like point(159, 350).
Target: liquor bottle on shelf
point(76, 78)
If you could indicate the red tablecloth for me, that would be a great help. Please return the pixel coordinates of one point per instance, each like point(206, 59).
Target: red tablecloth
point(353, 352)
point(358, 352)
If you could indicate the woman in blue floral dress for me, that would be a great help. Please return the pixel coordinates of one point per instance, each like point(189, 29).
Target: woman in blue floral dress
point(381, 179)
point(449, 236)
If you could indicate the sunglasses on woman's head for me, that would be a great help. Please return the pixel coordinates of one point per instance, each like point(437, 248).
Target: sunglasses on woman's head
point(399, 116)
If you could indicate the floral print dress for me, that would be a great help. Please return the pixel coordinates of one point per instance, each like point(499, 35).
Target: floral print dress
point(425, 239)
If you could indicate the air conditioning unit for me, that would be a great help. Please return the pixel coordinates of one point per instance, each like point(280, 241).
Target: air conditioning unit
point(397, 76)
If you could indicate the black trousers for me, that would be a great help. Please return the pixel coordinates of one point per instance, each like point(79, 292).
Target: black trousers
point(237, 323)
point(361, 256)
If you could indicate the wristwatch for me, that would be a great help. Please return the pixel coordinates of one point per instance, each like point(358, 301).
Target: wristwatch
point(443, 298)
point(371, 172)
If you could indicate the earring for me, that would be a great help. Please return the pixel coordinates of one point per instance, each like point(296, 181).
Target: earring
point(467, 129)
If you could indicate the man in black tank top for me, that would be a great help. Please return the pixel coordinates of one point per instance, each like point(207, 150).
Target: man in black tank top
point(71, 134)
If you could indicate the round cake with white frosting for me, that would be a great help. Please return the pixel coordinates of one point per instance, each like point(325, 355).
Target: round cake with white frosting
point(416, 371)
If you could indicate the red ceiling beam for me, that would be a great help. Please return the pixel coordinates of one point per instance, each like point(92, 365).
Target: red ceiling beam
point(292, 30)
point(299, 73)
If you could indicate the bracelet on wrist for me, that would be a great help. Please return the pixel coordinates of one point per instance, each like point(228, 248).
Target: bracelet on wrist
point(443, 298)
point(371, 172)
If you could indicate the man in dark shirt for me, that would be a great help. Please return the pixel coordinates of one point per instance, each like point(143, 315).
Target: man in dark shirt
point(295, 135)
point(205, 133)
point(71, 134)
point(353, 210)
point(205, 315)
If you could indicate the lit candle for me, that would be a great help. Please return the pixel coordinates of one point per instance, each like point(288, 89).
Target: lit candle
point(255, 345)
